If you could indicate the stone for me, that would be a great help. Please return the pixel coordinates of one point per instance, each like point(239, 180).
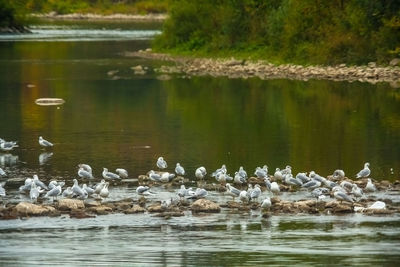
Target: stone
point(101, 210)
point(14, 182)
point(123, 206)
point(91, 203)
point(155, 208)
point(342, 208)
point(164, 77)
point(205, 205)
point(139, 70)
point(372, 64)
point(134, 209)
point(29, 209)
point(80, 214)
point(70, 204)
point(395, 62)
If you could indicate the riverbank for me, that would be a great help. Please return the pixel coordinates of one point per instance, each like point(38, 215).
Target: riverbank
point(93, 16)
point(238, 68)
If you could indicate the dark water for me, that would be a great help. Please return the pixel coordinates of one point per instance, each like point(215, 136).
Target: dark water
point(127, 120)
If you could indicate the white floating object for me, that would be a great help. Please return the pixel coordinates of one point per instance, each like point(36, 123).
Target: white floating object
point(49, 101)
point(378, 205)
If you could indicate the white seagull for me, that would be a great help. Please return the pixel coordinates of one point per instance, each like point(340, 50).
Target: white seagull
point(44, 143)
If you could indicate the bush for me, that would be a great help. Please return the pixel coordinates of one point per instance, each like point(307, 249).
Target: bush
point(304, 31)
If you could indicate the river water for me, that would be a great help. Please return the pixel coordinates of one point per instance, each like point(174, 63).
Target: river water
point(113, 118)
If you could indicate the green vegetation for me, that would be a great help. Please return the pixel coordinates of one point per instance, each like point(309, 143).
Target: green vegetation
point(299, 31)
point(11, 15)
point(97, 6)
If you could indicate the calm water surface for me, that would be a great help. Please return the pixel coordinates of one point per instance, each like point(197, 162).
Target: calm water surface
point(114, 118)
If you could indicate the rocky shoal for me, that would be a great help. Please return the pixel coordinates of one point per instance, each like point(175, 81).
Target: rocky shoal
point(90, 208)
point(233, 68)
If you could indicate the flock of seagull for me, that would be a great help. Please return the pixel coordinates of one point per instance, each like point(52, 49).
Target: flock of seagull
point(318, 186)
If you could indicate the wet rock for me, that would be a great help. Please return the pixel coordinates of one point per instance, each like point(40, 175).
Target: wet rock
point(112, 72)
point(309, 202)
point(155, 208)
point(134, 209)
point(169, 214)
point(142, 201)
point(139, 70)
point(14, 182)
point(123, 206)
point(70, 204)
point(164, 77)
point(101, 210)
point(254, 205)
point(341, 208)
point(29, 209)
point(378, 211)
point(233, 205)
point(91, 203)
point(256, 180)
point(8, 213)
point(80, 214)
point(205, 205)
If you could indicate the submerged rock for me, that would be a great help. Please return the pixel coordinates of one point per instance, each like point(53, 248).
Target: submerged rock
point(80, 214)
point(205, 205)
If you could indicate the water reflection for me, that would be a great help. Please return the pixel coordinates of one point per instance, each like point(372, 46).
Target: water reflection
point(8, 159)
point(45, 157)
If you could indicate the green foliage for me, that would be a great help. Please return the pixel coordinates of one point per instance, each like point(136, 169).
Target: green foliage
point(97, 6)
point(12, 14)
point(302, 31)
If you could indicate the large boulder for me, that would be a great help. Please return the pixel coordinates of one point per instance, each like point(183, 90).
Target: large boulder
point(29, 209)
point(70, 204)
point(205, 205)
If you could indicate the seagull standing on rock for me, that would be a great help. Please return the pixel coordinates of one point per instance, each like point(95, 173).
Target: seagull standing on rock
point(44, 143)
point(179, 170)
point(161, 163)
point(2, 191)
point(341, 196)
point(143, 190)
point(370, 187)
point(266, 204)
point(256, 192)
point(200, 173)
point(7, 146)
point(234, 192)
point(364, 172)
point(104, 191)
point(110, 175)
point(122, 173)
point(54, 192)
point(78, 191)
point(99, 186)
point(84, 174)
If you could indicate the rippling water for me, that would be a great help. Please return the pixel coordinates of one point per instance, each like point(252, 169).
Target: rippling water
point(114, 118)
